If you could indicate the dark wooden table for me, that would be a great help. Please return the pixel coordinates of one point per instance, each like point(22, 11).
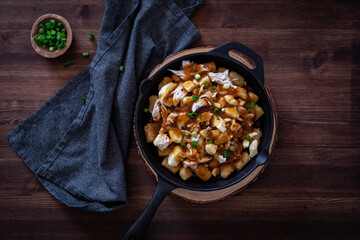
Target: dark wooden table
point(311, 187)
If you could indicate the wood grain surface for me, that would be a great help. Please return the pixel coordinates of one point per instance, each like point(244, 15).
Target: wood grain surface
point(311, 186)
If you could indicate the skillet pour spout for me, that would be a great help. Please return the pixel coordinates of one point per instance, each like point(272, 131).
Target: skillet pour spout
point(166, 180)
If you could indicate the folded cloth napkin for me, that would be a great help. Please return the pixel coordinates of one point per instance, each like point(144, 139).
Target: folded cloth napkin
point(77, 142)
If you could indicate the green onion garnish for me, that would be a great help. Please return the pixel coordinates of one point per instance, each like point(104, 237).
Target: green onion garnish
point(193, 115)
point(232, 148)
point(85, 54)
point(249, 110)
point(121, 68)
point(247, 137)
point(252, 105)
point(82, 100)
point(195, 98)
point(194, 143)
point(214, 87)
point(193, 134)
point(146, 110)
point(197, 76)
point(199, 89)
point(187, 134)
point(225, 154)
point(68, 63)
point(206, 84)
point(91, 36)
point(216, 111)
point(50, 36)
point(209, 140)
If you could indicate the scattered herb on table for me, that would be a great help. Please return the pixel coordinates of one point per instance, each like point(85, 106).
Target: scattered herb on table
point(85, 54)
point(91, 36)
point(68, 63)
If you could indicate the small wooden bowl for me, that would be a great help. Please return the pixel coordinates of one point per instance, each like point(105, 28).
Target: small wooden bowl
point(35, 29)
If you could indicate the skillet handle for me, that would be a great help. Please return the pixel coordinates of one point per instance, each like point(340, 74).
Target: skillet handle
point(145, 85)
point(258, 71)
point(139, 228)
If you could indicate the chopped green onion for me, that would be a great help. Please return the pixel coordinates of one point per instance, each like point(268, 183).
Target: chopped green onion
point(50, 37)
point(214, 87)
point(187, 134)
point(225, 154)
point(197, 76)
point(247, 137)
point(183, 144)
point(91, 36)
point(216, 111)
point(209, 140)
point(85, 54)
point(61, 45)
point(193, 115)
point(195, 98)
point(193, 134)
point(82, 100)
point(194, 143)
point(121, 68)
point(252, 105)
point(146, 110)
point(68, 63)
point(249, 110)
point(232, 148)
point(199, 89)
point(206, 84)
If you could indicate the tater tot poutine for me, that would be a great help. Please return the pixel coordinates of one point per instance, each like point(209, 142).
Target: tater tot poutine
point(202, 121)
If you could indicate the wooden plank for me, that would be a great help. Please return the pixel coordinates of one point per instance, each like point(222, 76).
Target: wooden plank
point(311, 187)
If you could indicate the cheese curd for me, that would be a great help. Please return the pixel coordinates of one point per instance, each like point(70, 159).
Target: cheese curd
point(202, 121)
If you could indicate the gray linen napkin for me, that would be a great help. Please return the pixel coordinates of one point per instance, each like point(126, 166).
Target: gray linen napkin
point(77, 148)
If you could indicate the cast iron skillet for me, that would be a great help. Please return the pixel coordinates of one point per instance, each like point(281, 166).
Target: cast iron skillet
point(168, 181)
